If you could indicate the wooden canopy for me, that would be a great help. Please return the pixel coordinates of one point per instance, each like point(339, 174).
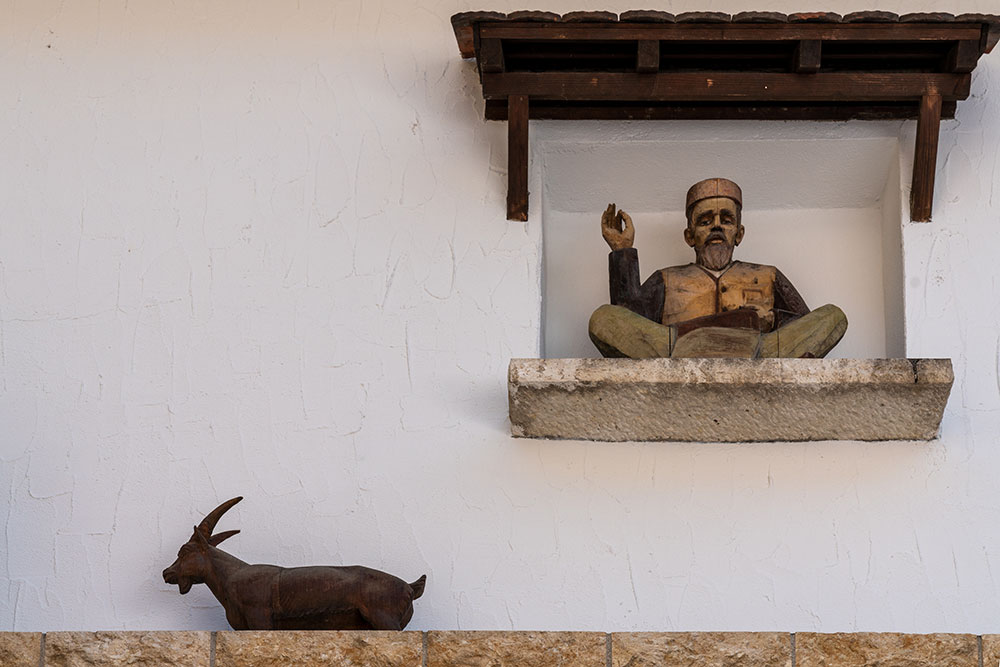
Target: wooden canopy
point(708, 65)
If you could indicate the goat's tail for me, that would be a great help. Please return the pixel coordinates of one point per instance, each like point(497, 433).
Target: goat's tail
point(418, 586)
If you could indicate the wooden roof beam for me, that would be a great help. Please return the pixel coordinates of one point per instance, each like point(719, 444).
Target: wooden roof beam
point(726, 86)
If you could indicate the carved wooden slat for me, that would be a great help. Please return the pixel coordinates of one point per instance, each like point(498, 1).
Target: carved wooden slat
point(871, 17)
point(815, 17)
point(927, 17)
point(647, 16)
point(517, 158)
point(925, 158)
point(590, 17)
point(704, 17)
point(760, 17)
point(741, 32)
point(533, 15)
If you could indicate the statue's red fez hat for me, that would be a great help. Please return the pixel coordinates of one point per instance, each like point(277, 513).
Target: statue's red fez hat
point(713, 187)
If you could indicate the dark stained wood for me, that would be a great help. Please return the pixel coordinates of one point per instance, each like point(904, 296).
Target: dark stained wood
point(491, 56)
point(760, 17)
point(462, 24)
point(548, 110)
point(808, 54)
point(532, 15)
point(647, 16)
point(990, 26)
point(963, 56)
point(991, 35)
point(704, 17)
point(725, 86)
point(925, 158)
point(743, 32)
point(517, 158)
point(650, 64)
point(648, 56)
point(977, 18)
point(927, 17)
point(590, 17)
point(871, 17)
point(815, 17)
point(468, 18)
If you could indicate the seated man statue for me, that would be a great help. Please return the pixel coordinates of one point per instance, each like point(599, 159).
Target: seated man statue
point(715, 307)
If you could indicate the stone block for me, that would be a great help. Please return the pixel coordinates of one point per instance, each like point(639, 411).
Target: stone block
point(861, 649)
point(20, 649)
point(728, 400)
point(523, 649)
point(991, 650)
point(302, 649)
point(705, 649)
point(136, 649)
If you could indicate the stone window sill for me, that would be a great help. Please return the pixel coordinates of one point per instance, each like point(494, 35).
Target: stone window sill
point(728, 400)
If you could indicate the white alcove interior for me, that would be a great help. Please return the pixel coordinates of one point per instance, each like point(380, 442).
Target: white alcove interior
point(822, 202)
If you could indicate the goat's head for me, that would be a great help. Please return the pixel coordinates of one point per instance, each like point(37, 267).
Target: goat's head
point(192, 564)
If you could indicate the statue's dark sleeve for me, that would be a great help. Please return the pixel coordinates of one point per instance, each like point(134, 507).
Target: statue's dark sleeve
point(623, 274)
point(788, 303)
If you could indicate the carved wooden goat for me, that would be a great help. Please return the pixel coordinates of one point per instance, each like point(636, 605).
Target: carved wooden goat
point(268, 597)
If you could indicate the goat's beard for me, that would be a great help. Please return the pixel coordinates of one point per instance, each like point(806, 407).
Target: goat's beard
point(714, 256)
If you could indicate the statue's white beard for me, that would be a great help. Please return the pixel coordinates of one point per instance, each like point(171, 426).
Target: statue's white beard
point(715, 256)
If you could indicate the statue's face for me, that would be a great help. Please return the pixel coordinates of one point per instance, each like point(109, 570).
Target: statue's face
point(714, 230)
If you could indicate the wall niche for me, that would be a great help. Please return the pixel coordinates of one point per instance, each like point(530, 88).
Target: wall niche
point(823, 202)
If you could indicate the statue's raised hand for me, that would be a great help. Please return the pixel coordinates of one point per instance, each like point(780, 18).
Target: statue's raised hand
point(617, 228)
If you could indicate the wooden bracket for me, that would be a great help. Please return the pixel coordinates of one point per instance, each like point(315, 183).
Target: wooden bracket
point(648, 56)
point(491, 56)
point(808, 53)
point(517, 158)
point(925, 158)
point(991, 35)
point(963, 56)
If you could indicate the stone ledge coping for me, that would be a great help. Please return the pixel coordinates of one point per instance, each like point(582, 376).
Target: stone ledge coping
point(496, 649)
point(728, 400)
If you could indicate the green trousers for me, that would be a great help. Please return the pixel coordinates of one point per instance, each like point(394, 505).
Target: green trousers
point(618, 332)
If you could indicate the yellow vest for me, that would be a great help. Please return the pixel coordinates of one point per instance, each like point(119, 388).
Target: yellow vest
point(690, 291)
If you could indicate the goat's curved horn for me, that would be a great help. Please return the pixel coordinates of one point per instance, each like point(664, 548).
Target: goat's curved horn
point(216, 540)
point(207, 524)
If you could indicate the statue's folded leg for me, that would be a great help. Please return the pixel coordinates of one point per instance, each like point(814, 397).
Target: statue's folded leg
point(812, 335)
point(618, 332)
point(719, 343)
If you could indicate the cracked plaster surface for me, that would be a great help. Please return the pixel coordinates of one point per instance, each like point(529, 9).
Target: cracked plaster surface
point(259, 248)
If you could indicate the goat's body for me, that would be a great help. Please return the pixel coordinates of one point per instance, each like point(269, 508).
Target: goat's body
point(268, 597)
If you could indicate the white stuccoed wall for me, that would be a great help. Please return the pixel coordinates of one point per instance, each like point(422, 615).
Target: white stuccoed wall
point(259, 248)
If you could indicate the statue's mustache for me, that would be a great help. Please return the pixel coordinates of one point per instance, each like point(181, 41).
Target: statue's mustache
point(716, 236)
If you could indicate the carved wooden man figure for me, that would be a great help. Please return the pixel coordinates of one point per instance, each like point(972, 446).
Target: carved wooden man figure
point(714, 307)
